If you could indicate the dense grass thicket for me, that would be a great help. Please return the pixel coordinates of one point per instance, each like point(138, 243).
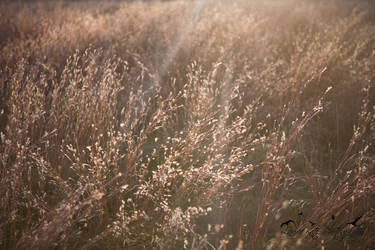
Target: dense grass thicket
point(187, 124)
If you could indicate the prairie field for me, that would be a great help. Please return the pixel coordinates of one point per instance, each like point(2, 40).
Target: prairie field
point(196, 124)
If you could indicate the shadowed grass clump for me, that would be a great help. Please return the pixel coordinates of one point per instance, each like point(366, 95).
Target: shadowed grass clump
point(187, 124)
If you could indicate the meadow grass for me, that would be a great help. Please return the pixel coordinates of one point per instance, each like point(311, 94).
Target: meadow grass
point(187, 124)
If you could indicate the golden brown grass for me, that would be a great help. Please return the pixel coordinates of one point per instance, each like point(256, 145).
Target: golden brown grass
point(187, 124)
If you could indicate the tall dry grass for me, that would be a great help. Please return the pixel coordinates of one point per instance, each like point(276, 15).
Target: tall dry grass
point(187, 124)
